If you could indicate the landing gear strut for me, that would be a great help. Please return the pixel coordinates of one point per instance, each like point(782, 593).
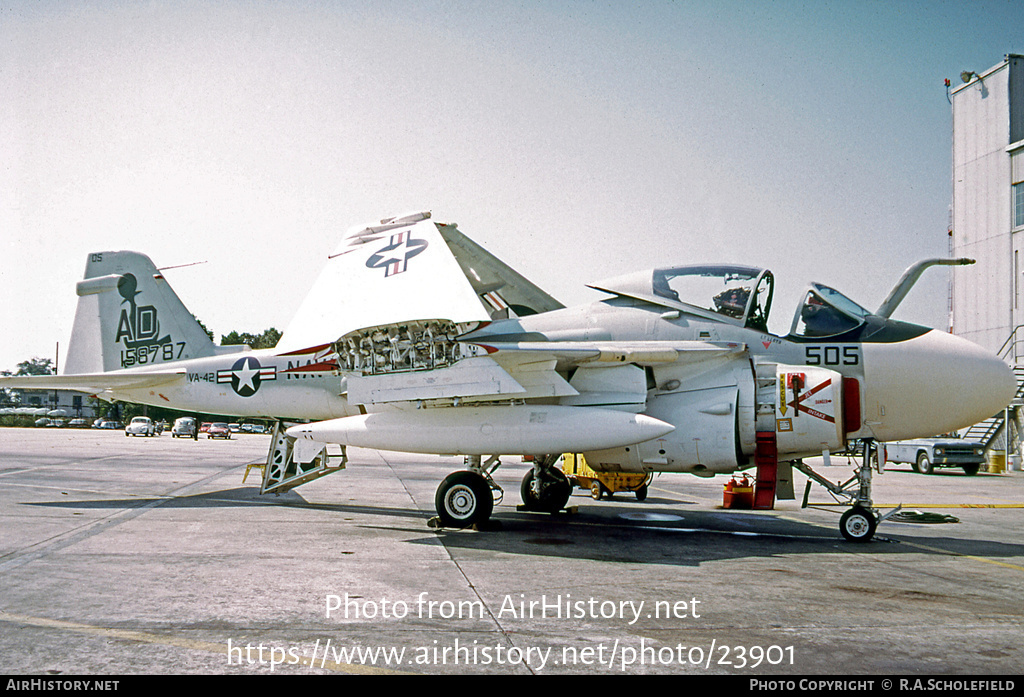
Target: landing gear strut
point(545, 488)
point(857, 524)
point(466, 498)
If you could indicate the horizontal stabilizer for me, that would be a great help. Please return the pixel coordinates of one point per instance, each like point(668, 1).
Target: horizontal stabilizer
point(92, 383)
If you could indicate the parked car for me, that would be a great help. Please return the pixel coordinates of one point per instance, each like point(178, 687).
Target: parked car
point(140, 426)
point(926, 454)
point(78, 423)
point(184, 427)
point(218, 430)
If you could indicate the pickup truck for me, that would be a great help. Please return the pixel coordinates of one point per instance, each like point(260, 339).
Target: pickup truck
point(926, 454)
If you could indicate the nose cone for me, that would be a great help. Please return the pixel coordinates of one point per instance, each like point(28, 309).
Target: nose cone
point(932, 384)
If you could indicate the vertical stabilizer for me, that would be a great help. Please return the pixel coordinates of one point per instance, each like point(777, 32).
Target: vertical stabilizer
point(128, 316)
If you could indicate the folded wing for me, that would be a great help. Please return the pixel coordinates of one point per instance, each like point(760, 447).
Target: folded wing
point(409, 269)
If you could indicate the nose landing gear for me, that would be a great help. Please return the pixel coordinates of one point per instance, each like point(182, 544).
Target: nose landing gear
point(858, 524)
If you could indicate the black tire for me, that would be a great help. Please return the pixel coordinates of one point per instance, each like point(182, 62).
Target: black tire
point(641, 493)
point(554, 496)
point(858, 525)
point(971, 470)
point(463, 499)
point(596, 490)
point(924, 465)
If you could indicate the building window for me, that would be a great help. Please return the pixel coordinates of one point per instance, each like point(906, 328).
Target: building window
point(1018, 205)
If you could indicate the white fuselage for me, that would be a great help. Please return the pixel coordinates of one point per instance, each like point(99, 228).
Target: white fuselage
point(281, 387)
point(901, 386)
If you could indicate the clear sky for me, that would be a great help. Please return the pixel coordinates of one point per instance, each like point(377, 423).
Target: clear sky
point(575, 140)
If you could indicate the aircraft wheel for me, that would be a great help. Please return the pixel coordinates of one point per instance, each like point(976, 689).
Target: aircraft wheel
point(463, 499)
point(596, 490)
point(857, 525)
point(971, 470)
point(924, 465)
point(553, 495)
point(641, 493)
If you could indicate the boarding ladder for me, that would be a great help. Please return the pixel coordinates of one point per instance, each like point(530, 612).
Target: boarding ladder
point(286, 468)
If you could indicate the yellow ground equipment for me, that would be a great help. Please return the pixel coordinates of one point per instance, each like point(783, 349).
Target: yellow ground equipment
point(604, 483)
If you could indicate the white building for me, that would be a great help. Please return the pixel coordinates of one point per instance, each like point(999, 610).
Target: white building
point(988, 207)
point(988, 226)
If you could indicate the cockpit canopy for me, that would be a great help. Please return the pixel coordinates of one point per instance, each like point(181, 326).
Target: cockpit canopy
point(827, 312)
point(741, 293)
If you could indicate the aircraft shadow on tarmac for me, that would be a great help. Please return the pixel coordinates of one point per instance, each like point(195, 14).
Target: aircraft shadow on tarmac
point(226, 498)
point(611, 531)
point(622, 535)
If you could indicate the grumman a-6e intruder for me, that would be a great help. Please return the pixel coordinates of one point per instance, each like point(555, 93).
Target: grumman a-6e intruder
point(416, 339)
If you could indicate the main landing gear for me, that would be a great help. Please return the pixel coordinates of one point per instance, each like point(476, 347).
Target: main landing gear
point(545, 488)
point(467, 498)
point(858, 524)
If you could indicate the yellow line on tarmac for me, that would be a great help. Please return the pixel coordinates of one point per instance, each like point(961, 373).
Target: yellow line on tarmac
point(167, 640)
